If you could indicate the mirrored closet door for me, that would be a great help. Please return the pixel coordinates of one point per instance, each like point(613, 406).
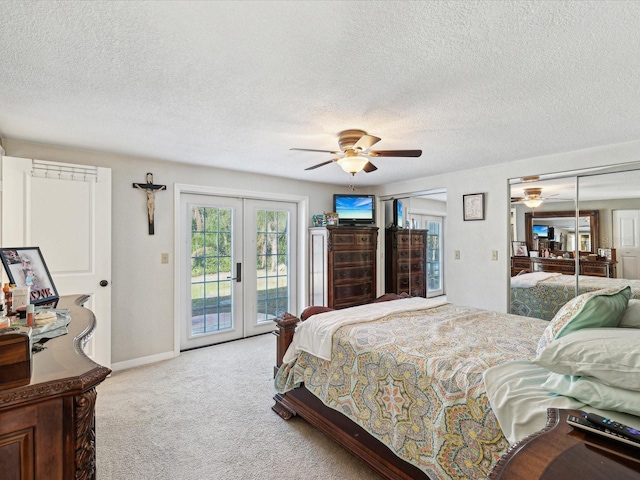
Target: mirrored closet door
point(414, 243)
point(573, 233)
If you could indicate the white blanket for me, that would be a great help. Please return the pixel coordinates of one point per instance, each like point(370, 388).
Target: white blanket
point(519, 402)
point(530, 280)
point(315, 335)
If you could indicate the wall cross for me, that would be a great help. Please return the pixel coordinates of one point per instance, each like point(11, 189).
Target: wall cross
point(150, 189)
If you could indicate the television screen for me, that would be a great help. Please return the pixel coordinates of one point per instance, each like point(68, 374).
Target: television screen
point(541, 230)
point(398, 216)
point(355, 209)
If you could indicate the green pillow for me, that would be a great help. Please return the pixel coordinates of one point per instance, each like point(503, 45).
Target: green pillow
point(598, 309)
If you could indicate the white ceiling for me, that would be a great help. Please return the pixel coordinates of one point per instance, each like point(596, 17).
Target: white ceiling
point(236, 84)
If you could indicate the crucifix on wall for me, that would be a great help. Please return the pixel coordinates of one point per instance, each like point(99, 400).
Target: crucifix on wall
point(150, 189)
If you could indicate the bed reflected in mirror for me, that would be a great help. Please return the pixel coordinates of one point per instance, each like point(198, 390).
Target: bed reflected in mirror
point(570, 254)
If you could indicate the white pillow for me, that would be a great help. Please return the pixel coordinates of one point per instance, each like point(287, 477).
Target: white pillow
point(631, 315)
point(594, 393)
point(609, 355)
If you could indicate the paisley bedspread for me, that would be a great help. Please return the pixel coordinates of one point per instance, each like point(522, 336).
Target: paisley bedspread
point(545, 299)
point(414, 381)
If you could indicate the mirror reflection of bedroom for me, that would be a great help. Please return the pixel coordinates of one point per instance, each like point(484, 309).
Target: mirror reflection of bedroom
point(414, 240)
point(573, 233)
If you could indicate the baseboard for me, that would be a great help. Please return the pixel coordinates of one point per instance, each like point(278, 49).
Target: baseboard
point(138, 362)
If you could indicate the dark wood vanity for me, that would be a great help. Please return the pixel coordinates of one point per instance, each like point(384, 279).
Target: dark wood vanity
point(47, 427)
point(588, 264)
point(566, 266)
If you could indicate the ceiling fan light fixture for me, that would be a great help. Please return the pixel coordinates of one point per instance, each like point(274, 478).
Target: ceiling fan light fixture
point(533, 203)
point(353, 163)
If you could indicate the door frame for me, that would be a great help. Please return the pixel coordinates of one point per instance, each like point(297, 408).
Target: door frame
point(301, 247)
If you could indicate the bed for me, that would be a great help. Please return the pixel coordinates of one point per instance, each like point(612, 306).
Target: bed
point(541, 294)
point(422, 389)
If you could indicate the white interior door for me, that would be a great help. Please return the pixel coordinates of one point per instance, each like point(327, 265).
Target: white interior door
point(626, 241)
point(65, 210)
point(237, 272)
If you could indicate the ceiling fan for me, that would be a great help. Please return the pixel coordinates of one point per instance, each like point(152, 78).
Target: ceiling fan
point(354, 154)
point(532, 197)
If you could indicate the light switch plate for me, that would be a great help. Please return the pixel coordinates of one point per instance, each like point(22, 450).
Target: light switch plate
point(164, 258)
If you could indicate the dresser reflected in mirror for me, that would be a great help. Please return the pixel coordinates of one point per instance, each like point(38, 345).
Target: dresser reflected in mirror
point(581, 233)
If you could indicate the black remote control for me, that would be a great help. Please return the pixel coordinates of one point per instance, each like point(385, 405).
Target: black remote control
point(624, 430)
point(600, 429)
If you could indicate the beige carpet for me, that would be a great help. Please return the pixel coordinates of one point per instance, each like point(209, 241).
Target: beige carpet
point(207, 415)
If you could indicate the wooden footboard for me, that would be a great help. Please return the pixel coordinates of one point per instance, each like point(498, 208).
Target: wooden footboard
point(332, 423)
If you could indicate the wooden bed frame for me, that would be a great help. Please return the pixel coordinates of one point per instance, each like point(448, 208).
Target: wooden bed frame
point(332, 423)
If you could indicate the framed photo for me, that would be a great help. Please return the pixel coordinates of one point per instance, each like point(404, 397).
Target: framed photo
point(473, 206)
point(520, 249)
point(25, 267)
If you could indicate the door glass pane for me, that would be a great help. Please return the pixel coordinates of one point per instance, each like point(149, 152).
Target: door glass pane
point(433, 256)
point(272, 259)
point(210, 270)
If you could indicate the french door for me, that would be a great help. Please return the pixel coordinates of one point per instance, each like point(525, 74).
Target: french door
point(434, 256)
point(237, 268)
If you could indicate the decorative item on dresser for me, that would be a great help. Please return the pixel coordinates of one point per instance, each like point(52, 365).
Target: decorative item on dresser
point(405, 261)
point(342, 265)
point(47, 428)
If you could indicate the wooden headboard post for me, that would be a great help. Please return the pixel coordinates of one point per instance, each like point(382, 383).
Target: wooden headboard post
point(286, 328)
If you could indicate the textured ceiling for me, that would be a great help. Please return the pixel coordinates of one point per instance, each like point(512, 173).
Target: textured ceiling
point(236, 84)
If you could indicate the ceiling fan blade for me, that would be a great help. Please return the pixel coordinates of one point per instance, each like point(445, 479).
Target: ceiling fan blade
point(333, 152)
point(370, 167)
point(321, 164)
point(395, 153)
point(366, 142)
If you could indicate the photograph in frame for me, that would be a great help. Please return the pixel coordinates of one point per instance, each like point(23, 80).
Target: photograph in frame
point(473, 206)
point(25, 267)
point(520, 249)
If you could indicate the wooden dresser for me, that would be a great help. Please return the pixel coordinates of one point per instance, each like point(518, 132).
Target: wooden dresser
point(567, 266)
point(47, 428)
point(342, 266)
point(405, 261)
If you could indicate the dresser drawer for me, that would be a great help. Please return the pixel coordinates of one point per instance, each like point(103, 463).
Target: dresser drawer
point(353, 294)
point(408, 240)
point(353, 258)
point(595, 270)
point(415, 266)
point(413, 284)
point(412, 254)
point(349, 274)
point(346, 240)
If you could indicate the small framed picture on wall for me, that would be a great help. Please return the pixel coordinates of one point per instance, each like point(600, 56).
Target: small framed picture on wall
point(473, 206)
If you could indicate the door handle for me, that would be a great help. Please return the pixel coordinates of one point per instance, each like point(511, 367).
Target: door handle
point(104, 283)
point(238, 277)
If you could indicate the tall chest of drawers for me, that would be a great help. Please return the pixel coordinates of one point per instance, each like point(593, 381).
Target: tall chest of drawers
point(405, 261)
point(342, 265)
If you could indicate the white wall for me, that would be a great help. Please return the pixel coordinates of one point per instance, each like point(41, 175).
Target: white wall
point(143, 288)
point(475, 279)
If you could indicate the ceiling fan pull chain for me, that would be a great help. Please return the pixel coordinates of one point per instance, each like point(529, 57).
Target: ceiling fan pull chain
point(351, 185)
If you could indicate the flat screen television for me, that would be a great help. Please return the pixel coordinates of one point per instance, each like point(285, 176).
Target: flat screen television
point(398, 214)
point(541, 230)
point(354, 209)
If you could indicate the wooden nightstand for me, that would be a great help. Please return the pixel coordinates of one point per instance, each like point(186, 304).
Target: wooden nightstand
point(559, 452)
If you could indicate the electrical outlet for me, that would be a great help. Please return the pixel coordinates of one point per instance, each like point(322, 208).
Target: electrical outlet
point(494, 254)
point(164, 258)
point(457, 254)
